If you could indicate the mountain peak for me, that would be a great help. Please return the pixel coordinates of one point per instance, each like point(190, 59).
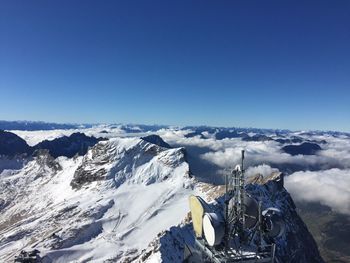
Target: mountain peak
point(128, 159)
point(157, 140)
point(11, 144)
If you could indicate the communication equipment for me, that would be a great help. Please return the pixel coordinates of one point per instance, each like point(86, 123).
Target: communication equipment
point(251, 210)
point(213, 228)
point(236, 233)
point(273, 222)
point(197, 212)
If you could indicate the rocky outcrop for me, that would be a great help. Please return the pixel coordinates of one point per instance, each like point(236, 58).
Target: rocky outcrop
point(295, 245)
point(12, 145)
point(305, 148)
point(194, 134)
point(77, 143)
point(134, 160)
point(157, 140)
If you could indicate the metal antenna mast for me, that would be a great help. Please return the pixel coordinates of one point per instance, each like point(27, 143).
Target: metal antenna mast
point(227, 239)
point(235, 192)
point(241, 192)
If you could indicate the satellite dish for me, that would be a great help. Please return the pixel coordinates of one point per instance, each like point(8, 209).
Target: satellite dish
point(251, 211)
point(273, 223)
point(197, 206)
point(213, 228)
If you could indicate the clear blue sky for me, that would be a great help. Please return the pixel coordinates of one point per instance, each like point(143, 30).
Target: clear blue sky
point(273, 64)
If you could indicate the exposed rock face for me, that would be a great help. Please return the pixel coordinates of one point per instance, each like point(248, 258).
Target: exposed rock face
point(295, 245)
point(122, 162)
point(157, 140)
point(77, 143)
point(305, 148)
point(11, 144)
point(46, 161)
point(194, 134)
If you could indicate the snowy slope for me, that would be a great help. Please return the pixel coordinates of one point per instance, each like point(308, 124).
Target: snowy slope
point(60, 207)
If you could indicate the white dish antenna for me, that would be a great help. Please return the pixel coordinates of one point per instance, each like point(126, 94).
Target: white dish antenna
point(213, 228)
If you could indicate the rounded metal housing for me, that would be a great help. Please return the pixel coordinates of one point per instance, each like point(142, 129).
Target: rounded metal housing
point(213, 228)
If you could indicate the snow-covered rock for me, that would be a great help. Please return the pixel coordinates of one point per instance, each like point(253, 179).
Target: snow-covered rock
point(296, 244)
point(125, 200)
point(106, 206)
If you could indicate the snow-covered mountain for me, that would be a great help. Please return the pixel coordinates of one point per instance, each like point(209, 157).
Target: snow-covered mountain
point(126, 199)
point(105, 206)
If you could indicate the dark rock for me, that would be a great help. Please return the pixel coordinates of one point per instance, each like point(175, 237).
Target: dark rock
point(11, 144)
point(29, 257)
point(77, 143)
point(305, 148)
point(157, 140)
point(44, 159)
point(83, 176)
point(194, 134)
point(256, 138)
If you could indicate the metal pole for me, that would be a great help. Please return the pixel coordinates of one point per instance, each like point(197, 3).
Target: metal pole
point(226, 214)
point(273, 252)
point(242, 191)
point(260, 225)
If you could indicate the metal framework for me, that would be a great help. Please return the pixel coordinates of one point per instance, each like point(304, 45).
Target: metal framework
point(211, 254)
point(238, 245)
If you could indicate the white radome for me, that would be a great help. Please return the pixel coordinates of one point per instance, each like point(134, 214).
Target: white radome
point(213, 228)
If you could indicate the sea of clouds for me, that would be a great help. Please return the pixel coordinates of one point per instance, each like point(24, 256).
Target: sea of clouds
point(323, 178)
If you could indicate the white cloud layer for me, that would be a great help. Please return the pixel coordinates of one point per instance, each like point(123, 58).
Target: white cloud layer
point(225, 154)
point(264, 170)
point(328, 183)
point(329, 187)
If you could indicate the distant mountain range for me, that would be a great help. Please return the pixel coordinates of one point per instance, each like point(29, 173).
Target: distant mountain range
point(220, 132)
point(38, 125)
point(77, 143)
